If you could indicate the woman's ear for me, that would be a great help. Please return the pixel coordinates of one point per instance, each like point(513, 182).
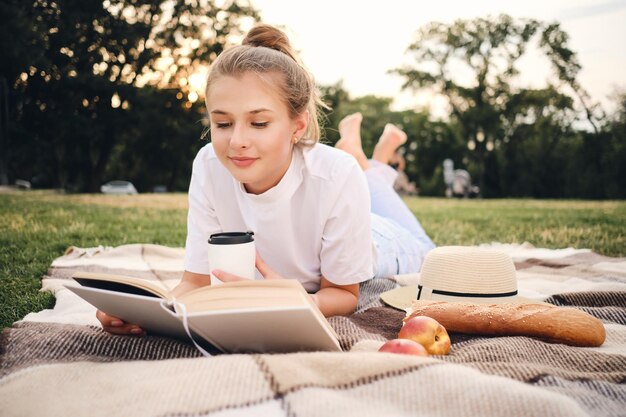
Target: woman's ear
point(301, 123)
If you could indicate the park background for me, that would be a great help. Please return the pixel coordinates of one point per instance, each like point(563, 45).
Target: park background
point(94, 91)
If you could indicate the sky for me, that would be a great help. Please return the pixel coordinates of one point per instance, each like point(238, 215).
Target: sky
point(358, 41)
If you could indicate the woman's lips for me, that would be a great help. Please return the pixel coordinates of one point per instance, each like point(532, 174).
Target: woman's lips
point(242, 162)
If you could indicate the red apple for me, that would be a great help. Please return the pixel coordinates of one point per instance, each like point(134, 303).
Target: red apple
point(405, 346)
point(428, 332)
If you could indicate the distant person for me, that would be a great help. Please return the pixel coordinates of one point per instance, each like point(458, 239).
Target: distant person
point(458, 182)
point(307, 203)
point(402, 185)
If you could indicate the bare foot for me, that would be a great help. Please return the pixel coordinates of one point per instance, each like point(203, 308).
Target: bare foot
point(350, 141)
point(350, 126)
point(390, 140)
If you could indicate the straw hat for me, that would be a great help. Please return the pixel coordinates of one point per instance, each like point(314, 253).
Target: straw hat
point(462, 273)
point(472, 274)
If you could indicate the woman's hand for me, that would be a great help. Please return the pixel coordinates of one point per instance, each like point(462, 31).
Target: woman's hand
point(190, 282)
point(265, 271)
point(114, 325)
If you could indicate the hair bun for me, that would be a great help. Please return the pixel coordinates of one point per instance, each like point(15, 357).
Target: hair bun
point(269, 37)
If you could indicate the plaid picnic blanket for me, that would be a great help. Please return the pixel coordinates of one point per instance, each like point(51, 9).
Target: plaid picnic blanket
point(59, 362)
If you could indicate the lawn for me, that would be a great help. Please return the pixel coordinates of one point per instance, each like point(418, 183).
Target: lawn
point(36, 227)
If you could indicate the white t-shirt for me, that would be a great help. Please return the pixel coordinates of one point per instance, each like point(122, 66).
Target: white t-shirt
point(314, 222)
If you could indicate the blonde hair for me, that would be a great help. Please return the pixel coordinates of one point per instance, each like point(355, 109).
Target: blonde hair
point(266, 49)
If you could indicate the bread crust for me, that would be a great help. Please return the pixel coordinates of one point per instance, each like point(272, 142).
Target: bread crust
point(565, 325)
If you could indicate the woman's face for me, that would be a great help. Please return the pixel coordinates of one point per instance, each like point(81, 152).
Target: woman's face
point(251, 130)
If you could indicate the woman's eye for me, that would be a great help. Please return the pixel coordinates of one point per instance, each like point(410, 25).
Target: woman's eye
point(260, 124)
point(222, 125)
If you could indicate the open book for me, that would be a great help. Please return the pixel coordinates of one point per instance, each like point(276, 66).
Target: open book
point(244, 316)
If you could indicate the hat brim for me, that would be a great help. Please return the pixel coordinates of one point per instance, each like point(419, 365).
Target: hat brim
point(401, 298)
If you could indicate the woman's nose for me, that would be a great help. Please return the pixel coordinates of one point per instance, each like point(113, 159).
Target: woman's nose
point(238, 138)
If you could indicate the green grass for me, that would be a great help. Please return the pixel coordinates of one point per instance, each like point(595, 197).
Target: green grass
point(597, 225)
point(36, 227)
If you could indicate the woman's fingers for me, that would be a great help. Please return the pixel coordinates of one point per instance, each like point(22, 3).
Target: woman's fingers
point(227, 276)
point(261, 266)
point(115, 325)
point(125, 330)
point(264, 269)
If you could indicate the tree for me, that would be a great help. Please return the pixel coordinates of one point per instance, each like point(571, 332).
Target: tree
point(70, 102)
point(19, 49)
point(489, 110)
point(599, 164)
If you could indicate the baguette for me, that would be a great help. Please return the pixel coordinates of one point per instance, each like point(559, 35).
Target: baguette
point(565, 325)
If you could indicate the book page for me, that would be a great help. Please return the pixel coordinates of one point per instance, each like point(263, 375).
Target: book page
point(243, 296)
point(120, 283)
point(243, 302)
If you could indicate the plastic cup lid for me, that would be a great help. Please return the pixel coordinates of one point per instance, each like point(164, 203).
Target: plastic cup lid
point(231, 238)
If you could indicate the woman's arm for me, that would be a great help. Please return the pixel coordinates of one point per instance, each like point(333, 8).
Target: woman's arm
point(336, 300)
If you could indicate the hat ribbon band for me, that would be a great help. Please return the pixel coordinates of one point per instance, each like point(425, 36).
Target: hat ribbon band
point(467, 294)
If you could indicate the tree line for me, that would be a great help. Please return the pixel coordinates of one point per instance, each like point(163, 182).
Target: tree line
point(92, 91)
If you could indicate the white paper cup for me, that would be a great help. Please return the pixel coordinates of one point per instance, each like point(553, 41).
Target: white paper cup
point(232, 252)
